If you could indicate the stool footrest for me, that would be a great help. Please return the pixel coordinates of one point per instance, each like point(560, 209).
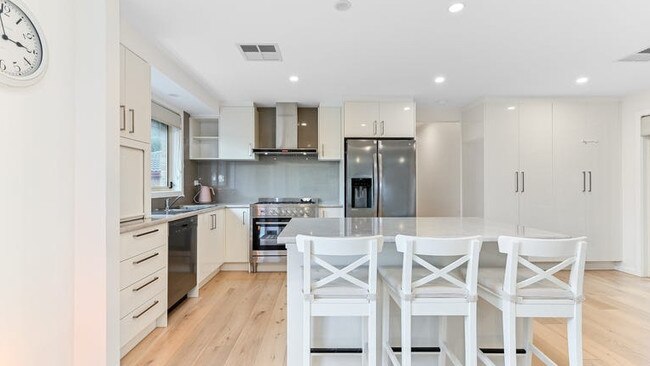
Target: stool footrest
point(336, 350)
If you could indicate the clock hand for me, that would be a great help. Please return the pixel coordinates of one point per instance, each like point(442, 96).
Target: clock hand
point(4, 33)
point(4, 36)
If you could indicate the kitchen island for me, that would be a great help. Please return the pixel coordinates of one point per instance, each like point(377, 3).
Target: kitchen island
point(345, 333)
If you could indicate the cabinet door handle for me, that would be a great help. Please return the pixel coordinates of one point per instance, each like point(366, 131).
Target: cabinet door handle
point(516, 182)
point(382, 128)
point(146, 284)
point(145, 234)
point(374, 128)
point(132, 111)
point(584, 181)
point(523, 182)
point(146, 259)
point(250, 149)
point(147, 309)
point(590, 181)
point(322, 150)
point(122, 118)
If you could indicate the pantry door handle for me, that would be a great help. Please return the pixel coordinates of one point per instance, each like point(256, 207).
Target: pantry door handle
point(123, 118)
point(132, 120)
point(523, 182)
point(584, 181)
point(590, 181)
point(516, 182)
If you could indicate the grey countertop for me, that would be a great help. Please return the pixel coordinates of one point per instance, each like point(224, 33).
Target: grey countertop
point(421, 226)
point(162, 219)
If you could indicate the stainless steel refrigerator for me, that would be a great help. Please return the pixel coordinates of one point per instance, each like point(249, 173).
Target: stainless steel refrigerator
point(379, 178)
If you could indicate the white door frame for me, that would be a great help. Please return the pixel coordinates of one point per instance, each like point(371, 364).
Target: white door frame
point(645, 195)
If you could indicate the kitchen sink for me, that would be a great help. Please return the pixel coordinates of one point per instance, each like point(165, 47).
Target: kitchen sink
point(179, 210)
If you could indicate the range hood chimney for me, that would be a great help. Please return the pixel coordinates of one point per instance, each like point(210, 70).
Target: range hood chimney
point(286, 133)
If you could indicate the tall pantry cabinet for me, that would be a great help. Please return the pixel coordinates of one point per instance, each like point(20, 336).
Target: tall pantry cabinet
point(548, 164)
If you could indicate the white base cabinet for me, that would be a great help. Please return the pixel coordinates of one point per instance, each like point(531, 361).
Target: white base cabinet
point(143, 284)
point(211, 244)
point(237, 235)
point(549, 164)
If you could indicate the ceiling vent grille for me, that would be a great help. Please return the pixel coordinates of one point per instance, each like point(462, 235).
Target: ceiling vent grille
point(643, 56)
point(260, 52)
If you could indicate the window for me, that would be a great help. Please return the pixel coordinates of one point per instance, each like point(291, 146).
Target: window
point(166, 153)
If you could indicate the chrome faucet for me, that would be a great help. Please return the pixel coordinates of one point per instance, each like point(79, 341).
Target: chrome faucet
point(168, 205)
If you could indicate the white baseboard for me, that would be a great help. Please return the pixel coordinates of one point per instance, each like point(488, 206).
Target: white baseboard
point(235, 267)
point(629, 270)
point(601, 266)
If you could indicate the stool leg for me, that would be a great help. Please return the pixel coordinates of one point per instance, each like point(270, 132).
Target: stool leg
point(406, 333)
point(442, 340)
point(306, 335)
point(470, 336)
point(364, 341)
point(372, 333)
point(385, 325)
point(528, 325)
point(574, 333)
point(509, 334)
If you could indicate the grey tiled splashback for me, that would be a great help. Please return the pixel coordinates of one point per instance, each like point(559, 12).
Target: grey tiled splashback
point(284, 176)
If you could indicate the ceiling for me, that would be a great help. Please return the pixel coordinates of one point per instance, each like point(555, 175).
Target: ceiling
point(384, 49)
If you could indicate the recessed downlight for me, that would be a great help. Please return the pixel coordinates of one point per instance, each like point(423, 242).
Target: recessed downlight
point(343, 5)
point(511, 108)
point(582, 80)
point(456, 7)
point(294, 79)
point(439, 79)
point(407, 108)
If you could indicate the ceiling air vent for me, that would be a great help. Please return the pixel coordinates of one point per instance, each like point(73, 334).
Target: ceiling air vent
point(260, 52)
point(643, 56)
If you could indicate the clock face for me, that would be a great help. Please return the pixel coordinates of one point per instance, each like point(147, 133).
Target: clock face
point(21, 46)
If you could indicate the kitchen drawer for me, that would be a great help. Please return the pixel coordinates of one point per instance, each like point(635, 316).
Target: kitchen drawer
point(141, 291)
point(137, 268)
point(140, 241)
point(137, 320)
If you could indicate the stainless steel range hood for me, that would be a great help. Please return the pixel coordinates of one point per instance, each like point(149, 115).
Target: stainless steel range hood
point(286, 133)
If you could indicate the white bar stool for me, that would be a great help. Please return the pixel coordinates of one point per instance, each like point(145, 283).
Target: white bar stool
point(347, 291)
point(532, 292)
point(430, 291)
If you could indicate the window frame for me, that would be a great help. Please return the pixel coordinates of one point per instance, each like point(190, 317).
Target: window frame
point(174, 163)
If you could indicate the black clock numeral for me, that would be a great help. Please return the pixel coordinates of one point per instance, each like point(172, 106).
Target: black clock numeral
point(19, 20)
point(3, 65)
point(28, 36)
point(26, 60)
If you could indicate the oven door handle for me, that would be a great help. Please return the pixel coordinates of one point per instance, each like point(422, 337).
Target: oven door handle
point(272, 223)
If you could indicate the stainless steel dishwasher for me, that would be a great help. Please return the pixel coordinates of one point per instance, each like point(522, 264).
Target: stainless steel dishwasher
point(182, 266)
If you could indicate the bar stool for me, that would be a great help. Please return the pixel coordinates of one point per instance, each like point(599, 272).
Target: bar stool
point(348, 291)
point(532, 292)
point(431, 291)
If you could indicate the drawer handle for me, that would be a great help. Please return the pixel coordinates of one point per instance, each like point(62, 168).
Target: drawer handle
point(146, 259)
point(146, 284)
point(147, 309)
point(147, 233)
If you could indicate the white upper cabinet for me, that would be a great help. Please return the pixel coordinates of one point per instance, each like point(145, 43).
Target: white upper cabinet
point(135, 97)
point(361, 119)
point(380, 119)
point(396, 119)
point(237, 133)
point(330, 141)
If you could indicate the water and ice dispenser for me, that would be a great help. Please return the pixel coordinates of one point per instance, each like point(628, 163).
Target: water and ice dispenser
point(362, 192)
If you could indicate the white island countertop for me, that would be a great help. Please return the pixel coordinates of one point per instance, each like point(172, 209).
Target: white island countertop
point(420, 226)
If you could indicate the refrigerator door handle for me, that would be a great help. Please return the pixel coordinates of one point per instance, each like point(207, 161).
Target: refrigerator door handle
point(380, 163)
point(375, 177)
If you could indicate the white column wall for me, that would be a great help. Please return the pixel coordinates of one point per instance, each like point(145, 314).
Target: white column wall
point(55, 160)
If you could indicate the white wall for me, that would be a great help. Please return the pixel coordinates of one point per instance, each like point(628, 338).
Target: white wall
point(438, 169)
point(634, 107)
point(438, 161)
point(48, 317)
point(473, 138)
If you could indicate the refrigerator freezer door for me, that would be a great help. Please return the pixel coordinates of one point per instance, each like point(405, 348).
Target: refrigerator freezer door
point(396, 161)
point(361, 181)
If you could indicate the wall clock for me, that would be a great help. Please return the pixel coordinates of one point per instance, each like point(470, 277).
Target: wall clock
point(23, 52)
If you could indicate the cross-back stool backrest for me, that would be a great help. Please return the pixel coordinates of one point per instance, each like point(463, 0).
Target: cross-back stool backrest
point(570, 252)
point(468, 248)
point(315, 248)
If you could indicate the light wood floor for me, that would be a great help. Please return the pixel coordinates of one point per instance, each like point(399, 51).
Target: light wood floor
point(240, 319)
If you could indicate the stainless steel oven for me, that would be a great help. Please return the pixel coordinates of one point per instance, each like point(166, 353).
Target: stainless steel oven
point(269, 217)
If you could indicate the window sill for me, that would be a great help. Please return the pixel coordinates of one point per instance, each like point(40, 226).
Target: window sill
point(166, 194)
